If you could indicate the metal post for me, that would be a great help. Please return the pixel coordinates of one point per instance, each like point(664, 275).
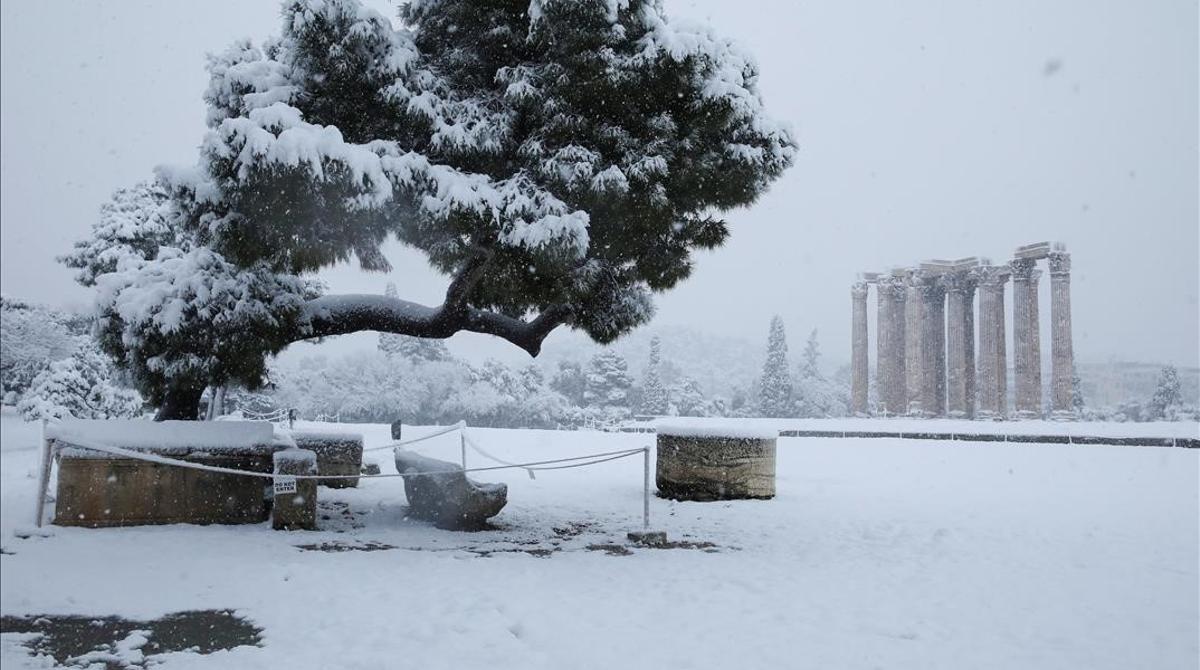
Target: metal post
point(44, 478)
point(462, 444)
point(646, 488)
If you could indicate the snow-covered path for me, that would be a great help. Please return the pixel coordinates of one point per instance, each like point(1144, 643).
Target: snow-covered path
point(876, 553)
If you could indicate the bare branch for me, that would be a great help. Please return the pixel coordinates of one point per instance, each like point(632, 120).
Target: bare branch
point(342, 314)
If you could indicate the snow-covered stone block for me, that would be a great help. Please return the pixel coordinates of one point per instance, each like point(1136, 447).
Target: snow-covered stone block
point(715, 461)
point(338, 454)
point(99, 489)
point(295, 505)
point(440, 492)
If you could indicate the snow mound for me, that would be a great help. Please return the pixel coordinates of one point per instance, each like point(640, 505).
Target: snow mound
point(714, 428)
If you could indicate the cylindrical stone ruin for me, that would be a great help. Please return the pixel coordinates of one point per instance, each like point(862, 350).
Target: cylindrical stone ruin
point(715, 462)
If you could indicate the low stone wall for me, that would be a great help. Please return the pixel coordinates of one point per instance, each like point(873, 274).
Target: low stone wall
point(337, 454)
point(721, 467)
point(98, 490)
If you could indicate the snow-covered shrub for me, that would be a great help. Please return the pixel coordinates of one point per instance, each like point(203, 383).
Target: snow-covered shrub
point(80, 387)
point(31, 336)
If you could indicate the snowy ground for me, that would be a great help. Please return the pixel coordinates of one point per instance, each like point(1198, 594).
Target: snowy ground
point(876, 553)
point(1175, 429)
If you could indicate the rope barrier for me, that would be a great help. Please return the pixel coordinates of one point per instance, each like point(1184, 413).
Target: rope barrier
point(437, 433)
point(530, 467)
point(166, 460)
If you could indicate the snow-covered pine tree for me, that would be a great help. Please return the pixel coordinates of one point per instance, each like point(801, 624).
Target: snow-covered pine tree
point(654, 395)
point(80, 387)
point(810, 367)
point(608, 380)
point(689, 398)
point(1167, 394)
point(571, 381)
point(31, 337)
point(414, 348)
point(775, 387)
point(558, 161)
point(1077, 401)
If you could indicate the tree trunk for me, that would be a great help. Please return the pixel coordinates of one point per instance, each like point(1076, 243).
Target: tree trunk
point(182, 403)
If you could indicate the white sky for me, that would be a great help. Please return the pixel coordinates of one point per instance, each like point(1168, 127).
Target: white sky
point(927, 129)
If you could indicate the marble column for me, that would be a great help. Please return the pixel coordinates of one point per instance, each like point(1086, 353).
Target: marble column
point(933, 348)
point(960, 332)
point(858, 349)
point(990, 361)
point(913, 315)
point(1026, 342)
point(897, 400)
point(883, 344)
point(1062, 358)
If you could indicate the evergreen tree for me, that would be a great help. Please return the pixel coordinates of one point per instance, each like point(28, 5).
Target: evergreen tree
point(80, 387)
point(608, 380)
point(1076, 391)
point(810, 364)
point(689, 399)
point(560, 162)
point(775, 385)
point(1167, 395)
point(571, 381)
point(654, 395)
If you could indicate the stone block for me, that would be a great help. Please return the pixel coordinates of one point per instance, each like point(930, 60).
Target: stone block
point(99, 490)
point(337, 454)
point(443, 494)
point(295, 508)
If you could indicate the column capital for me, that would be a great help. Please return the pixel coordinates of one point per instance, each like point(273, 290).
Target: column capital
point(1022, 268)
point(992, 276)
point(1060, 263)
point(858, 290)
point(960, 282)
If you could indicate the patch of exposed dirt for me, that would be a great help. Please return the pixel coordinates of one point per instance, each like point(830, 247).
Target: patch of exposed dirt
point(86, 641)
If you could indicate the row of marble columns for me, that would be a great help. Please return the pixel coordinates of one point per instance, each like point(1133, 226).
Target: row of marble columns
point(927, 359)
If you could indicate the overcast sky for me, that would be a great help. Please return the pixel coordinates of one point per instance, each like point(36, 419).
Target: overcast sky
point(927, 130)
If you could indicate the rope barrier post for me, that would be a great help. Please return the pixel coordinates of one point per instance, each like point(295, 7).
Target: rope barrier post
point(647, 537)
point(44, 476)
point(462, 445)
point(646, 488)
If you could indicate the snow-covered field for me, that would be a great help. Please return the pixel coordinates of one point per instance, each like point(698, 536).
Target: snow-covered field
point(876, 553)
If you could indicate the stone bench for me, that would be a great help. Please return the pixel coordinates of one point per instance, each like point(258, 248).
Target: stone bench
point(444, 495)
point(337, 454)
point(705, 462)
point(96, 489)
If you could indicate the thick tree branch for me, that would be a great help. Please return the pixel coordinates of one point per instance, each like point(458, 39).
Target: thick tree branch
point(342, 314)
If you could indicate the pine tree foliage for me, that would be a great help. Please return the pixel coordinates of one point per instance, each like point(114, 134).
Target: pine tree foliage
point(1167, 395)
point(689, 398)
point(810, 367)
point(571, 381)
point(31, 337)
point(79, 387)
point(655, 400)
point(608, 380)
point(775, 386)
point(1077, 401)
point(559, 161)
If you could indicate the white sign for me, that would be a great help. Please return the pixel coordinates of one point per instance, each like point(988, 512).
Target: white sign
point(285, 484)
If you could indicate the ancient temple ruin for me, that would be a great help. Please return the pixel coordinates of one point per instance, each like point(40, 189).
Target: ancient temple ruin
point(929, 361)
